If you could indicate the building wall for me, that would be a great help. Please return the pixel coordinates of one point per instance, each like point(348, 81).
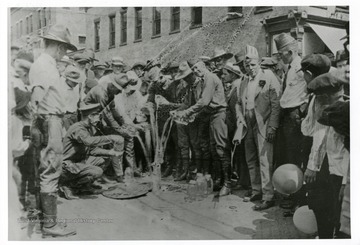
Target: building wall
point(73, 18)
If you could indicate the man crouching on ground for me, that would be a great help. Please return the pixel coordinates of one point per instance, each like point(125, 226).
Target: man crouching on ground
point(84, 160)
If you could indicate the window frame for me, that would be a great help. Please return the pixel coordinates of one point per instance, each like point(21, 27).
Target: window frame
point(172, 20)
point(138, 24)
point(156, 21)
point(123, 26)
point(194, 17)
point(112, 31)
point(97, 35)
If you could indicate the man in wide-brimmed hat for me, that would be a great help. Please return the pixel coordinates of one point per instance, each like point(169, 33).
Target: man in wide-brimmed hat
point(84, 159)
point(48, 103)
point(293, 102)
point(219, 58)
point(259, 103)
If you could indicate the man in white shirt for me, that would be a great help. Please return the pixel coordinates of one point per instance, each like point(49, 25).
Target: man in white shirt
point(293, 103)
point(329, 160)
point(69, 82)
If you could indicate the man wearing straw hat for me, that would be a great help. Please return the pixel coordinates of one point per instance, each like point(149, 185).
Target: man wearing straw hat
point(259, 104)
point(48, 103)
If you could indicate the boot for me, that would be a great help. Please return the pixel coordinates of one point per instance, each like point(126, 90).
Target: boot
point(184, 173)
point(50, 226)
point(68, 193)
point(225, 190)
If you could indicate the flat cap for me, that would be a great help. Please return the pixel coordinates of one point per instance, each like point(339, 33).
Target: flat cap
point(325, 84)
point(87, 109)
point(315, 63)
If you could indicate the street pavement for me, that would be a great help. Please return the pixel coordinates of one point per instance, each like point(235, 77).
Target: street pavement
point(169, 215)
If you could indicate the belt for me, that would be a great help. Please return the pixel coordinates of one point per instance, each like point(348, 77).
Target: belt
point(68, 112)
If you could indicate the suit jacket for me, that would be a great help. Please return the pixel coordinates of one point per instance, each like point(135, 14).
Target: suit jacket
point(267, 100)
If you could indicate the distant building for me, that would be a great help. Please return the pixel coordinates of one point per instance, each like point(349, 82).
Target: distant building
point(26, 24)
point(177, 33)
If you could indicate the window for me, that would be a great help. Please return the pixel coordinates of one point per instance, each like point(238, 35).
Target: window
point(196, 16)
point(235, 10)
point(21, 28)
point(138, 23)
point(49, 16)
point(123, 19)
point(43, 17)
point(156, 21)
point(96, 34)
point(82, 39)
point(262, 9)
point(17, 30)
point(112, 31)
point(27, 25)
point(175, 19)
point(67, 8)
point(39, 19)
point(31, 29)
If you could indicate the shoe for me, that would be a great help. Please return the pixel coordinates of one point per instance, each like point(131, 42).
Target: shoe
point(217, 185)
point(264, 205)
point(255, 197)
point(106, 180)
point(68, 193)
point(248, 193)
point(137, 174)
point(225, 190)
point(57, 230)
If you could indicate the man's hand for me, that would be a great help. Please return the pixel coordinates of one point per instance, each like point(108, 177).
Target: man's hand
point(270, 134)
point(309, 176)
point(115, 153)
point(138, 127)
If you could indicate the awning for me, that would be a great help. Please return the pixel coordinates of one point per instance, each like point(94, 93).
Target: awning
point(330, 36)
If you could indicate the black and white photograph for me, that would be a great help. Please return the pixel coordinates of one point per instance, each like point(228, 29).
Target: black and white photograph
point(152, 123)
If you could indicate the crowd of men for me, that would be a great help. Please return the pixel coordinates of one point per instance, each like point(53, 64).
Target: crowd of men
point(76, 124)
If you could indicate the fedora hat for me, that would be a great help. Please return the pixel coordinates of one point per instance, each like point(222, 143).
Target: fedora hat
point(72, 73)
point(232, 68)
point(205, 59)
point(285, 42)
point(184, 70)
point(239, 57)
point(119, 80)
point(117, 61)
point(81, 58)
point(60, 34)
point(219, 52)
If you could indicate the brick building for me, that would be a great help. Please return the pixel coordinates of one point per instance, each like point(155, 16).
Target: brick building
point(178, 33)
point(26, 24)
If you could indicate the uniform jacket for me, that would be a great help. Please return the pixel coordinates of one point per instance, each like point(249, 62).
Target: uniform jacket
point(267, 96)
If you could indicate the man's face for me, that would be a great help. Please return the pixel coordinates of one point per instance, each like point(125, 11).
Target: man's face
point(227, 77)
point(219, 62)
point(81, 65)
point(253, 67)
point(99, 72)
point(173, 72)
point(199, 69)
point(286, 57)
point(138, 71)
point(94, 119)
point(117, 69)
point(61, 51)
point(341, 65)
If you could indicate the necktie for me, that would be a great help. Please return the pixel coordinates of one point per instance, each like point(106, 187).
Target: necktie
point(285, 77)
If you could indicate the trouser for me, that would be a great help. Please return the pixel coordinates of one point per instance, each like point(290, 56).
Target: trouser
point(220, 145)
point(69, 119)
point(294, 146)
point(184, 144)
point(259, 157)
point(49, 134)
point(172, 152)
point(78, 174)
point(27, 169)
point(323, 199)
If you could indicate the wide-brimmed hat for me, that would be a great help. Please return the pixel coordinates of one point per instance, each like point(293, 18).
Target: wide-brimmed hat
point(117, 61)
point(138, 64)
point(90, 54)
point(219, 52)
point(81, 58)
point(60, 34)
point(285, 42)
point(232, 68)
point(72, 73)
point(119, 80)
point(340, 56)
point(239, 57)
point(87, 109)
point(205, 59)
point(184, 70)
